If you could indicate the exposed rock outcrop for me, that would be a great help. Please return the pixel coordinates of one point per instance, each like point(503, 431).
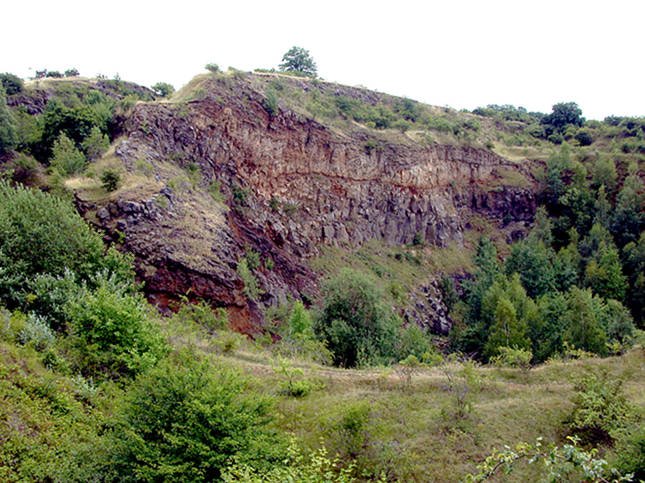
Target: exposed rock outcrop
point(289, 185)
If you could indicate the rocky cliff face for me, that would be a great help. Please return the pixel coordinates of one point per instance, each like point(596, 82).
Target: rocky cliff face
point(221, 177)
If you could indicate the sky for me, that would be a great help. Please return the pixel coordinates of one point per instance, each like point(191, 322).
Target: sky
point(457, 53)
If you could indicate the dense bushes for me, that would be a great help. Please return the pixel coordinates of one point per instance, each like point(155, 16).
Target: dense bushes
point(43, 235)
point(187, 420)
point(110, 331)
point(11, 83)
point(357, 326)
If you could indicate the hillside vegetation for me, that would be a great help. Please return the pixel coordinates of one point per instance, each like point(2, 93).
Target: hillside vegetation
point(540, 377)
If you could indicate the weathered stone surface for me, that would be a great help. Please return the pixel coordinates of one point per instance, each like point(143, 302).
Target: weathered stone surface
point(305, 186)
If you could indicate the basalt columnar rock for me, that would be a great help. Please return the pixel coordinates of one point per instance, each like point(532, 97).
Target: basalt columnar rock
point(222, 177)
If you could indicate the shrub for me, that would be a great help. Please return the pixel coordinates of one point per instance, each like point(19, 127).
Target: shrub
point(202, 314)
point(214, 68)
point(270, 102)
point(95, 144)
point(511, 357)
point(584, 138)
point(110, 180)
point(299, 465)
point(72, 72)
point(186, 420)
point(11, 83)
point(251, 289)
point(600, 409)
point(293, 382)
point(413, 342)
point(37, 333)
point(44, 235)
point(66, 158)
point(111, 334)
point(357, 326)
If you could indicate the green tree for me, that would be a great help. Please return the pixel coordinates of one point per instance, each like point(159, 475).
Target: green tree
point(634, 264)
point(8, 132)
point(563, 114)
point(533, 261)
point(602, 208)
point(358, 327)
point(187, 420)
point(75, 122)
point(299, 60)
point(66, 159)
point(547, 331)
point(604, 274)
point(604, 173)
point(583, 327)
point(629, 216)
point(617, 321)
point(11, 83)
point(300, 323)
point(566, 265)
point(506, 330)
point(110, 180)
point(163, 89)
point(95, 144)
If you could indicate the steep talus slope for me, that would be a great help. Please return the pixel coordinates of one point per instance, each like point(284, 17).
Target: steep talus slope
point(289, 185)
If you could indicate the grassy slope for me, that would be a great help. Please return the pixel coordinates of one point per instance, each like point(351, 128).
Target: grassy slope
point(408, 434)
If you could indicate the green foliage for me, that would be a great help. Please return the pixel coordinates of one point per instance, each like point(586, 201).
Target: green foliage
point(71, 72)
point(75, 123)
point(583, 326)
point(11, 83)
point(43, 235)
point(187, 420)
point(604, 273)
point(566, 463)
point(584, 137)
point(630, 451)
point(215, 190)
point(506, 330)
point(293, 382)
point(414, 342)
point(512, 357)
point(110, 332)
point(202, 314)
point(299, 465)
point(600, 409)
point(163, 89)
point(563, 115)
point(532, 260)
point(211, 67)
point(66, 159)
point(298, 338)
point(629, 216)
point(95, 144)
point(270, 102)
point(251, 289)
point(634, 256)
point(8, 131)
point(37, 333)
point(299, 60)
point(357, 326)
point(110, 180)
